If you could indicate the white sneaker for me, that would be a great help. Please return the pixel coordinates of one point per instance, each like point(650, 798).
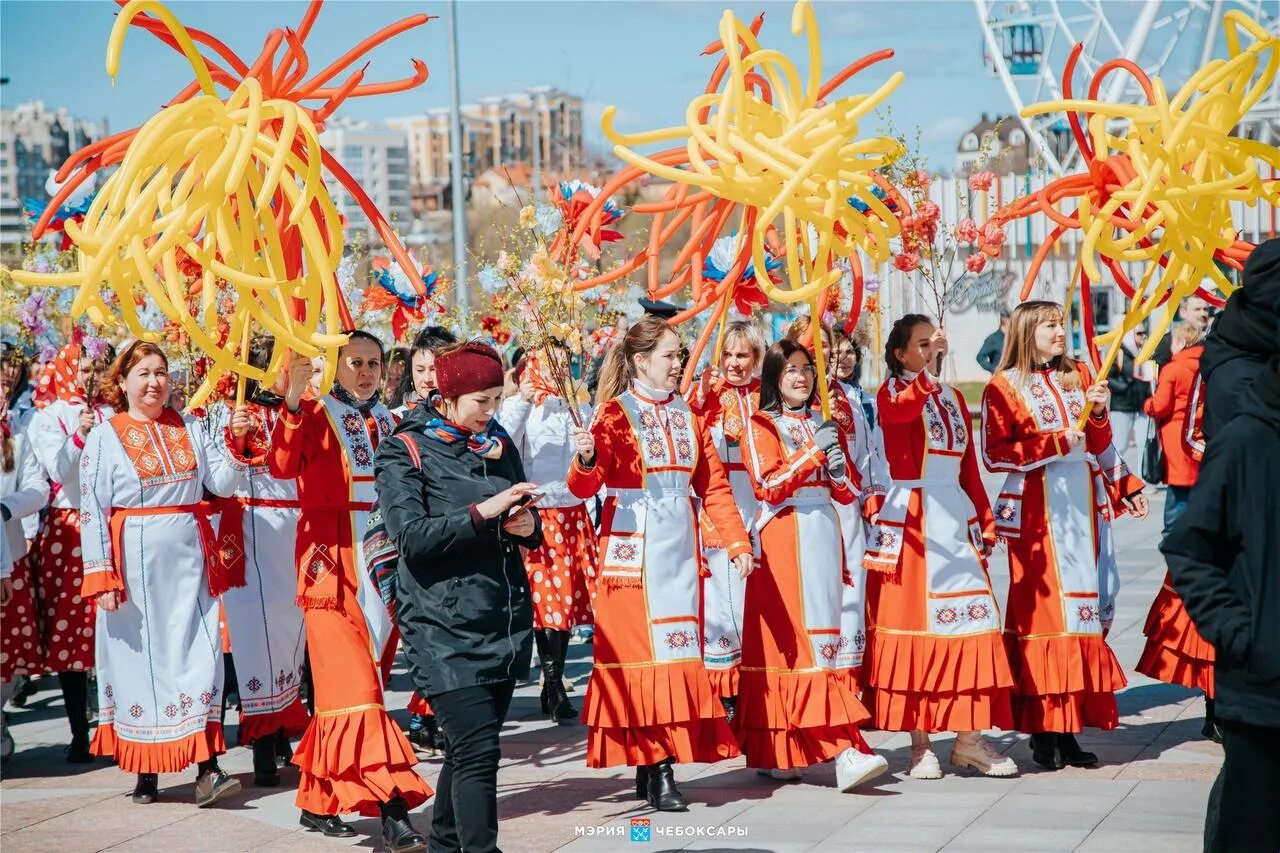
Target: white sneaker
point(979, 755)
point(780, 775)
point(853, 768)
point(924, 764)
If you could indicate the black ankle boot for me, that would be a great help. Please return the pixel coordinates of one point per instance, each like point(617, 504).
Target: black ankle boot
point(642, 782)
point(75, 699)
point(435, 737)
point(663, 793)
point(1044, 751)
point(265, 771)
point(148, 788)
point(419, 737)
point(1071, 753)
point(730, 705)
point(398, 835)
point(330, 825)
point(561, 709)
point(284, 749)
point(1210, 730)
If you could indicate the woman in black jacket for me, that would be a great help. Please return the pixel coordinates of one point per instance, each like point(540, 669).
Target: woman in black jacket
point(453, 496)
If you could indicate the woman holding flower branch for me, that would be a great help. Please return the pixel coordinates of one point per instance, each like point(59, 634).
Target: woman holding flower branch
point(540, 421)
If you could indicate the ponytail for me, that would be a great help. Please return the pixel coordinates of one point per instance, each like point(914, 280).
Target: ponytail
point(619, 366)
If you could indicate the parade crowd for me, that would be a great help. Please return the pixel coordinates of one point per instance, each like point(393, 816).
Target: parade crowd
point(760, 579)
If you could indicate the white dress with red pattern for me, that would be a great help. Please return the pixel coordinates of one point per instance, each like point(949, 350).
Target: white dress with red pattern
point(728, 414)
point(264, 622)
point(23, 491)
point(559, 568)
point(147, 534)
point(66, 615)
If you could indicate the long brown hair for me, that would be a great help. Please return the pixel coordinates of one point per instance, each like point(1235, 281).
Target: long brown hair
point(113, 386)
point(619, 366)
point(1020, 344)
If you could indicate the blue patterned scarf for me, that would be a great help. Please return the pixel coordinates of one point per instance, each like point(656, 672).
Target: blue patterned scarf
point(487, 444)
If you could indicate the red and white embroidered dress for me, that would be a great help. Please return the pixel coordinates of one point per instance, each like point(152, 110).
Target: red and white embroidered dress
point(649, 696)
point(1055, 510)
point(147, 534)
point(936, 659)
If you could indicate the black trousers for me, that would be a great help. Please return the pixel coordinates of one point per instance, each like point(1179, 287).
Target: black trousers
point(1243, 816)
point(465, 811)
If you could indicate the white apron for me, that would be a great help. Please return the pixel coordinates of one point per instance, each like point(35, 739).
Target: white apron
point(652, 537)
point(349, 425)
point(724, 591)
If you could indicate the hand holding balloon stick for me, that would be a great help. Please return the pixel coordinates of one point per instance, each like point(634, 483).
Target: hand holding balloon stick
point(233, 187)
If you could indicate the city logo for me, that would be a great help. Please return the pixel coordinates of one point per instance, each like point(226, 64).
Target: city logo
point(641, 828)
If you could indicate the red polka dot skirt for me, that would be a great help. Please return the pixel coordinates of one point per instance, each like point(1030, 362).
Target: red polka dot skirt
point(558, 568)
point(67, 619)
point(19, 636)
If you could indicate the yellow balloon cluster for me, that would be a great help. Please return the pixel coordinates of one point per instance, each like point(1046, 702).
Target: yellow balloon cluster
point(1159, 192)
point(767, 142)
point(232, 186)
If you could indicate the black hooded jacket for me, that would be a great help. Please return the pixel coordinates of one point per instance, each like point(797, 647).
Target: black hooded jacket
point(463, 597)
point(1243, 338)
point(1224, 555)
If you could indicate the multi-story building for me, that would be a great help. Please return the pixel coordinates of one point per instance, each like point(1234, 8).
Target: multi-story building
point(378, 159)
point(497, 131)
point(998, 145)
point(33, 141)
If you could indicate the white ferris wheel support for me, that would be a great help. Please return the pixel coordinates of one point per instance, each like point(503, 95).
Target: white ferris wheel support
point(1027, 43)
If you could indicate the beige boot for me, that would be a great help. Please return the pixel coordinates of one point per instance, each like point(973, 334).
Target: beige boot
point(924, 764)
point(972, 750)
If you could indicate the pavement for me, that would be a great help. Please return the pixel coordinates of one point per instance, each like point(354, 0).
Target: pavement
point(1148, 793)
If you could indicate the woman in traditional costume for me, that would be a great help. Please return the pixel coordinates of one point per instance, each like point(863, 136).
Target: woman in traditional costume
point(539, 423)
point(936, 660)
point(24, 491)
point(70, 404)
point(1175, 653)
point(726, 403)
point(263, 620)
point(1055, 510)
point(650, 703)
point(151, 561)
point(797, 705)
point(352, 757)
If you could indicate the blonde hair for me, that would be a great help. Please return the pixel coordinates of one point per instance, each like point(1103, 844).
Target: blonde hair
point(1186, 335)
point(749, 334)
point(1020, 344)
point(619, 366)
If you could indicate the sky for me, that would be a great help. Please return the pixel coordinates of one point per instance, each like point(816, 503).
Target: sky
point(643, 57)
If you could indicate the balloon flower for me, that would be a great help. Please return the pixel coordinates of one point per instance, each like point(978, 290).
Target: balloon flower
point(218, 197)
point(1158, 192)
point(763, 147)
point(393, 288)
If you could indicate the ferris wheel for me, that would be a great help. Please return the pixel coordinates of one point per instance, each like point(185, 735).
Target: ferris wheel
point(1026, 45)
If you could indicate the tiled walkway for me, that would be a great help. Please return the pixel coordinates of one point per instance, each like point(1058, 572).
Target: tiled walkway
point(1148, 794)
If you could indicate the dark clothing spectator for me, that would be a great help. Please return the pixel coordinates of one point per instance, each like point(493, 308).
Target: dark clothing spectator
point(1224, 558)
point(1129, 392)
point(1244, 337)
point(992, 349)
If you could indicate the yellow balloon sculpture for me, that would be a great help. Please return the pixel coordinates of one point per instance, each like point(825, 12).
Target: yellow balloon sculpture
point(768, 142)
point(234, 186)
point(1159, 190)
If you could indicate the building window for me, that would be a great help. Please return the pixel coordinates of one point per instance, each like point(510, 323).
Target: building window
point(970, 142)
point(1017, 138)
point(352, 152)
